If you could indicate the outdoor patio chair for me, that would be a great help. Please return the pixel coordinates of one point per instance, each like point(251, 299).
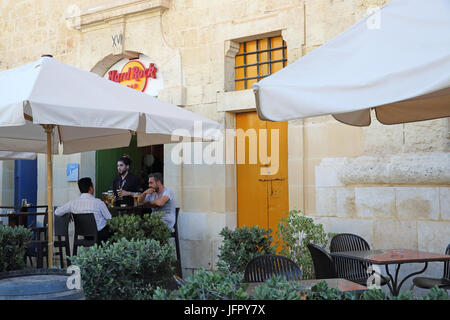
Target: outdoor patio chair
point(37, 248)
point(174, 235)
point(350, 269)
point(86, 227)
point(428, 283)
point(261, 268)
point(323, 263)
point(62, 230)
point(41, 231)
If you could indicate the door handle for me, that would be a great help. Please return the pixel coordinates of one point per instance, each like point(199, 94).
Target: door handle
point(275, 179)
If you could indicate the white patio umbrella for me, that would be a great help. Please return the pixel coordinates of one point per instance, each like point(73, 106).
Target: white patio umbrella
point(396, 61)
point(88, 112)
point(10, 155)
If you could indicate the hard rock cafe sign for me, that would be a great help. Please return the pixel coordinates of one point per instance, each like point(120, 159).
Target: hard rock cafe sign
point(134, 74)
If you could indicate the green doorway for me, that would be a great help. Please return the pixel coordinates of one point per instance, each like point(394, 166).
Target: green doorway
point(145, 160)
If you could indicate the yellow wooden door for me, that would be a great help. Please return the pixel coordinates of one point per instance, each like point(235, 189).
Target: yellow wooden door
point(278, 187)
point(262, 187)
point(262, 196)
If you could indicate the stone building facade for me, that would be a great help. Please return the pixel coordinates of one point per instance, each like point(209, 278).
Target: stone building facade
point(389, 184)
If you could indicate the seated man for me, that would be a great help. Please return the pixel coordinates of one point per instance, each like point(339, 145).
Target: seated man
point(160, 198)
point(87, 203)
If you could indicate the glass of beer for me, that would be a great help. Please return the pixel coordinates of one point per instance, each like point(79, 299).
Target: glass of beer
point(136, 198)
point(105, 196)
point(111, 198)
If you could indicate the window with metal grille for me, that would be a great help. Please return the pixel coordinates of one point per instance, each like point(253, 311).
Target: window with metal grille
point(258, 59)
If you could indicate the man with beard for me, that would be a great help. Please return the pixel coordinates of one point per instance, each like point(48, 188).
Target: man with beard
point(160, 199)
point(125, 184)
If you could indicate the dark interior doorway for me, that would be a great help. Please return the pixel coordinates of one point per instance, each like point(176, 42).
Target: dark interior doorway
point(146, 160)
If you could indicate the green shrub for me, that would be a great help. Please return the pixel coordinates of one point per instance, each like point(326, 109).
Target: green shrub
point(216, 285)
point(436, 294)
point(139, 227)
point(277, 288)
point(242, 245)
point(207, 285)
point(378, 294)
point(294, 233)
point(321, 291)
point(125, 269)
point(13, 242)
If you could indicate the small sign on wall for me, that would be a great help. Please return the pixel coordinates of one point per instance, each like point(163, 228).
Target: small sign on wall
point(72, 172)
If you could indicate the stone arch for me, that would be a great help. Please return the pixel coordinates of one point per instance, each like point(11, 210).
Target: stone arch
point(107, 62)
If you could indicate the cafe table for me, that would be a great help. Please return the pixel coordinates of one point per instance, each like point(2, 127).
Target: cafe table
point(118, 211)
point(21, 218)
point(342, 285)
point(397, 257)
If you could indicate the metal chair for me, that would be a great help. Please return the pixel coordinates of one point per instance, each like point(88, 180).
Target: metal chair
point(86, 227)
point(323, 263)
point(62, 230)
point(428, 283)
point(37, 248)
point(349, 269)
point(174, 235)
point(261, 268)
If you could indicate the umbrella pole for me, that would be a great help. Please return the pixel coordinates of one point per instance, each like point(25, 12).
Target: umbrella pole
point(49, 131)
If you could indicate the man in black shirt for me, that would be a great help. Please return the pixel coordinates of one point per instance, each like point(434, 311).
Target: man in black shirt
point(125, 184)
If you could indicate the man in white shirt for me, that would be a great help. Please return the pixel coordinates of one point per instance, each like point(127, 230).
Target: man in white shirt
point(87, 203)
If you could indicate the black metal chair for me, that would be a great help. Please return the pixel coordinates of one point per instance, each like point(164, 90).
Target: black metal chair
point(261, 268)
point(323, 263)
point(62, 230)
point(428, 283)
point(38, 248)
point(85, 227)
point(350, 269)
point(174, 235)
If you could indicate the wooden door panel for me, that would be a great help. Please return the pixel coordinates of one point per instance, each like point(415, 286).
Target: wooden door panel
point(263, 198)
point(278, 199)
point(251, 192)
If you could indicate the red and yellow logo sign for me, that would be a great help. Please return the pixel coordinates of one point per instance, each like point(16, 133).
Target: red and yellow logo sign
point(134, 75)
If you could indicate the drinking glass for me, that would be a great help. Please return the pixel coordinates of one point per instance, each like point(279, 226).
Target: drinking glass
point(136, 198)
point(105, 196)
point(111, 198)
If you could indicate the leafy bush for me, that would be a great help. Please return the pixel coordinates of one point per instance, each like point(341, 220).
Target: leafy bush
point(378, 294)
point(242, 245)
point(277, 288)
point(321, 291)
point(294, 233)
point(436, 294)
point(139, 227)
point(13, 242)
point(217, 285)
point(207, 285)
point(124, 269)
